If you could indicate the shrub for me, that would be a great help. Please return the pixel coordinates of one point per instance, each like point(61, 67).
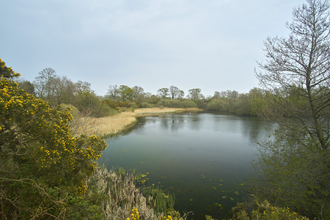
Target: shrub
point(266, 211)
point(146, 105)
point(43, 167)
point(170, 103)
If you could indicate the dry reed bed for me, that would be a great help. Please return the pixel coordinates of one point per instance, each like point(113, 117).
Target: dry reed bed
point(121, 195)
point(116, 123)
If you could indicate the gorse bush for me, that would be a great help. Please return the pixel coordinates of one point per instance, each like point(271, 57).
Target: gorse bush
point(42, 166)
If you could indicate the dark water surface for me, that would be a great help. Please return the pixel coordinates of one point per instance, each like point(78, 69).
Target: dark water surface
point(200, 157)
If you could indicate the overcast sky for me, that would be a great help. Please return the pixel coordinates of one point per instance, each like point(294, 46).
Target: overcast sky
point(209, 44)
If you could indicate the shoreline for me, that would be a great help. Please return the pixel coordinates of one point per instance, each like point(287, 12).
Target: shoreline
point(116, 124)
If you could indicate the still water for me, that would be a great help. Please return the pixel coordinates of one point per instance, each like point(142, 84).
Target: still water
point(203, 158)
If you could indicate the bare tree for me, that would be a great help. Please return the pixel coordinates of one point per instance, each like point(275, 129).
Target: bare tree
point(293, 168)
point(300, 64)
point(54, 89)
point(113, 92)
point(43, 83)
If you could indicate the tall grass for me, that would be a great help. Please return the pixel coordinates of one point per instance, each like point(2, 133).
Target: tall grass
point(119, 194)
point(116, 123)
point(107, 125)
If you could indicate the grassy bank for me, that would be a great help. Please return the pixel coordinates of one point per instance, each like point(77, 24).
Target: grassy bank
point(110, 125)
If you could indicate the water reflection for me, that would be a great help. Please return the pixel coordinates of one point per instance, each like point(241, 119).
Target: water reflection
point(202, 158)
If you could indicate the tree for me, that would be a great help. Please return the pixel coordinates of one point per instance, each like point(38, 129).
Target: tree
point(27, 86)
point(180, 94)
point(44, 83)
point(138, 93)
point(113, 92)
point(88, 103)
point(125, 92)
point(83, 86)
point(174, 92)
point(216, 95)
point(54, 89)
point(195, 94)
point(43, 169)
point(163, 92)
point(296, 74)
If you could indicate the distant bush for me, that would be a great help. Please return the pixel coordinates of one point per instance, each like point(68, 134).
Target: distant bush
point(170, 103)
point(105, 111)
point(146, 105)
point(217, 105)
point(116, 104)
point(188, 104)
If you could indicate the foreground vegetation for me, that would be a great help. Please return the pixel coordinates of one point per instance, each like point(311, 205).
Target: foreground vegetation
point(48, 173)
point(43, 167)
point(292, 169)
point(48, 169)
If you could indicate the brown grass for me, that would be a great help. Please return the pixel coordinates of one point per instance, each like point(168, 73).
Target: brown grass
point(120, 195)
point(164, 110)
point(116, 123)
point(107, 125)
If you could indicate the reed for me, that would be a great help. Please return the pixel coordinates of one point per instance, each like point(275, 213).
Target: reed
point(107, 126)
point(120, 194)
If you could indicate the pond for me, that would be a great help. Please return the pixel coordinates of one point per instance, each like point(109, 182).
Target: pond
point(203, 158)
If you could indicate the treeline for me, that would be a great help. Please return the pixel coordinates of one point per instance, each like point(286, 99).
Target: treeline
point(58, 90)
point(231, 101)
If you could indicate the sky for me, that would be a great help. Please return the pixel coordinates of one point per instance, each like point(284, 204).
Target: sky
point(211, 44)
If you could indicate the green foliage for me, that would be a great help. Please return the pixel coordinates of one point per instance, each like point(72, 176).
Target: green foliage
point(161, 202)
point(152, 99)
point(174, 103)
point(266, 211)
point(125, 92)
point(252, 103)
point(220, 104)
point(105, 110)
point(117, 104)
point(293, 167)
point(42, 165)
point(207, 217)
point(90, 105)
point(163, 92)
point(293, 175)
point(27, 86)
point(146, 105)
point(195, 94)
